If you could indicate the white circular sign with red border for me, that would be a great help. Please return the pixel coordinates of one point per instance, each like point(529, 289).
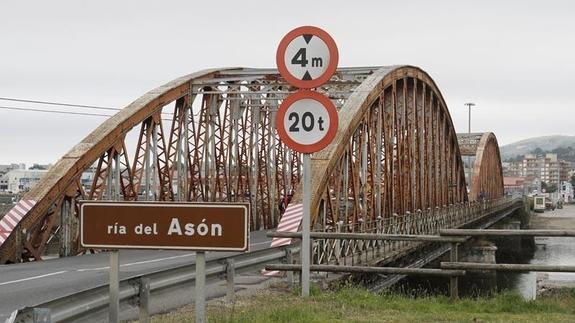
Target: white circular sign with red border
point(306, 121)
point(307, 57)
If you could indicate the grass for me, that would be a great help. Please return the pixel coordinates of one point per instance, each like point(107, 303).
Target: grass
point(357, 305)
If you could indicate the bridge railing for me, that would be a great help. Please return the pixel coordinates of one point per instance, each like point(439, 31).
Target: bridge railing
point(421, 222)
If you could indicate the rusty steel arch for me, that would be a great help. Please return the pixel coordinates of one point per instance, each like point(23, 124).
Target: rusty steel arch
point(207, 136)
point(210, 136)
point(487, 172)
point(396, 152)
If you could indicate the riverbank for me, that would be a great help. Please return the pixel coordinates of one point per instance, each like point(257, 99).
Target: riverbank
point(554, 250)
point(357, 305)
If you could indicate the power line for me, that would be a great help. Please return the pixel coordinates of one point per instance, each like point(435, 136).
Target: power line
point(67, 105)
point(60, 104)
point(54, 111)
point(64, 112)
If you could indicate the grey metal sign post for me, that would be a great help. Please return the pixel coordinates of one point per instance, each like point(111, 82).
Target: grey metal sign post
point(306, 224)
point(114, 309)
point(306, 121)
point(200, 300)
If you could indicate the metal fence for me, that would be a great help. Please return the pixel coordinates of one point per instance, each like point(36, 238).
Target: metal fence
point(422, 222)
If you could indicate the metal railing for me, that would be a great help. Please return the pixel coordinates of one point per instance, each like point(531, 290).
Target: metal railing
point(139, 289)
point(365, 237)
point(472, 266)
point(422, 222)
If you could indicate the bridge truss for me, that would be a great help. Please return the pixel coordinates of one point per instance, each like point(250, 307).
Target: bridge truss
point(210, 136)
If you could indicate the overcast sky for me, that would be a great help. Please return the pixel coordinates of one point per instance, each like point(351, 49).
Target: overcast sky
point(514, 59)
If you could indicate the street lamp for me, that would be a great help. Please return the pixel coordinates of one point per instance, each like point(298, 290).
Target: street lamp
point(469, 170)
point(469, 105)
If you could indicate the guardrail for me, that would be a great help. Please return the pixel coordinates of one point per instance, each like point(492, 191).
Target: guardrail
point(422, 222)
point(473, 266)
point(365, 237)
point(138, 289)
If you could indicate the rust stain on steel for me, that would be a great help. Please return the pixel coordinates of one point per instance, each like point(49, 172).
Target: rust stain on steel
point(420, 163)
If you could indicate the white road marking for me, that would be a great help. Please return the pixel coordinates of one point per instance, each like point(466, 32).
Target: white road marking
point(108, 267)
point(35, 277)
point(154, 260)
point(137, 263)
point(92, 269)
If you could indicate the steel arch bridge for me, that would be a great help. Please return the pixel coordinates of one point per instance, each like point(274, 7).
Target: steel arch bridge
point(210, 136)
point(487, 172)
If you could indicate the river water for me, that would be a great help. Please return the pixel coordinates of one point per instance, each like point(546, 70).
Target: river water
point(541, 250)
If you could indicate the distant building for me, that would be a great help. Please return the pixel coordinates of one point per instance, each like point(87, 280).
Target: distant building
point(19, 180)
point(513, 168)
point(4, 169)
point(546, 168)
point(87, 178)
point(537, 168)
point(3, 183)
point(564, 170)
point(550, 169)
point(41, 167)
point(514, 185)
point(566, 192)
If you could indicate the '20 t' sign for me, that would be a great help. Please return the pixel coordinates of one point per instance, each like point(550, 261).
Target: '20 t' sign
point(306, 121)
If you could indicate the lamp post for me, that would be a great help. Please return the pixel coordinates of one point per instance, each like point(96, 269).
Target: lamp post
point(469, 105)
point(470, 170)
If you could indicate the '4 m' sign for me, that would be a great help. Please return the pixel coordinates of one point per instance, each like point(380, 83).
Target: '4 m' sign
point(307, 57)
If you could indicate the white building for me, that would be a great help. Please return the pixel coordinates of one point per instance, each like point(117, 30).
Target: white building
point(20, 180)
point(566, 192)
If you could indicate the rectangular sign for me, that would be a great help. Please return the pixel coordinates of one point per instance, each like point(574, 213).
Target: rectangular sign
point(161, 225)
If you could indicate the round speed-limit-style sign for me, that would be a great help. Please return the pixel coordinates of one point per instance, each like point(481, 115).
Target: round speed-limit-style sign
point(307, 57)
point(306, 121)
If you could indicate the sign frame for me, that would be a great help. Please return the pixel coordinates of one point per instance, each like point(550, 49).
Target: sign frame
point(333, 57)
point(332, 126)
point(245, 206)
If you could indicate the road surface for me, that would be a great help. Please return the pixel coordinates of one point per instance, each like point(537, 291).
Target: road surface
point(28, 284)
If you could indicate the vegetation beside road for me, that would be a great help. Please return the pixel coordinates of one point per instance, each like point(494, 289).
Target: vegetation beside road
point(358, 305)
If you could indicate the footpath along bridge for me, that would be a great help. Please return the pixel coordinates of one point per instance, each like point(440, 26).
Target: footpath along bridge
point(395, 164)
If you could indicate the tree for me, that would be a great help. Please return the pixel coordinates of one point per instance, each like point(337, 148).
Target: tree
point(538, 151)
point(552, 188)
point(549, 188)
point(573, 180)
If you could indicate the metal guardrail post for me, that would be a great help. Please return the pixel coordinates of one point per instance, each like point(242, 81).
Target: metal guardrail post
point(453, 280)
point(200, 299)
point(230, 273)
point(144, 302)
point(114, 309)
point(289, 261)
point(338, 227)
point(42, 315)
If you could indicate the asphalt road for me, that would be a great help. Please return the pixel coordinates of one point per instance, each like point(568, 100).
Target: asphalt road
point(559, 219)
point(28, 284)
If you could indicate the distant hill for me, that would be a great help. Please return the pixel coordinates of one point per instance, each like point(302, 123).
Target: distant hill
point(560, 144)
